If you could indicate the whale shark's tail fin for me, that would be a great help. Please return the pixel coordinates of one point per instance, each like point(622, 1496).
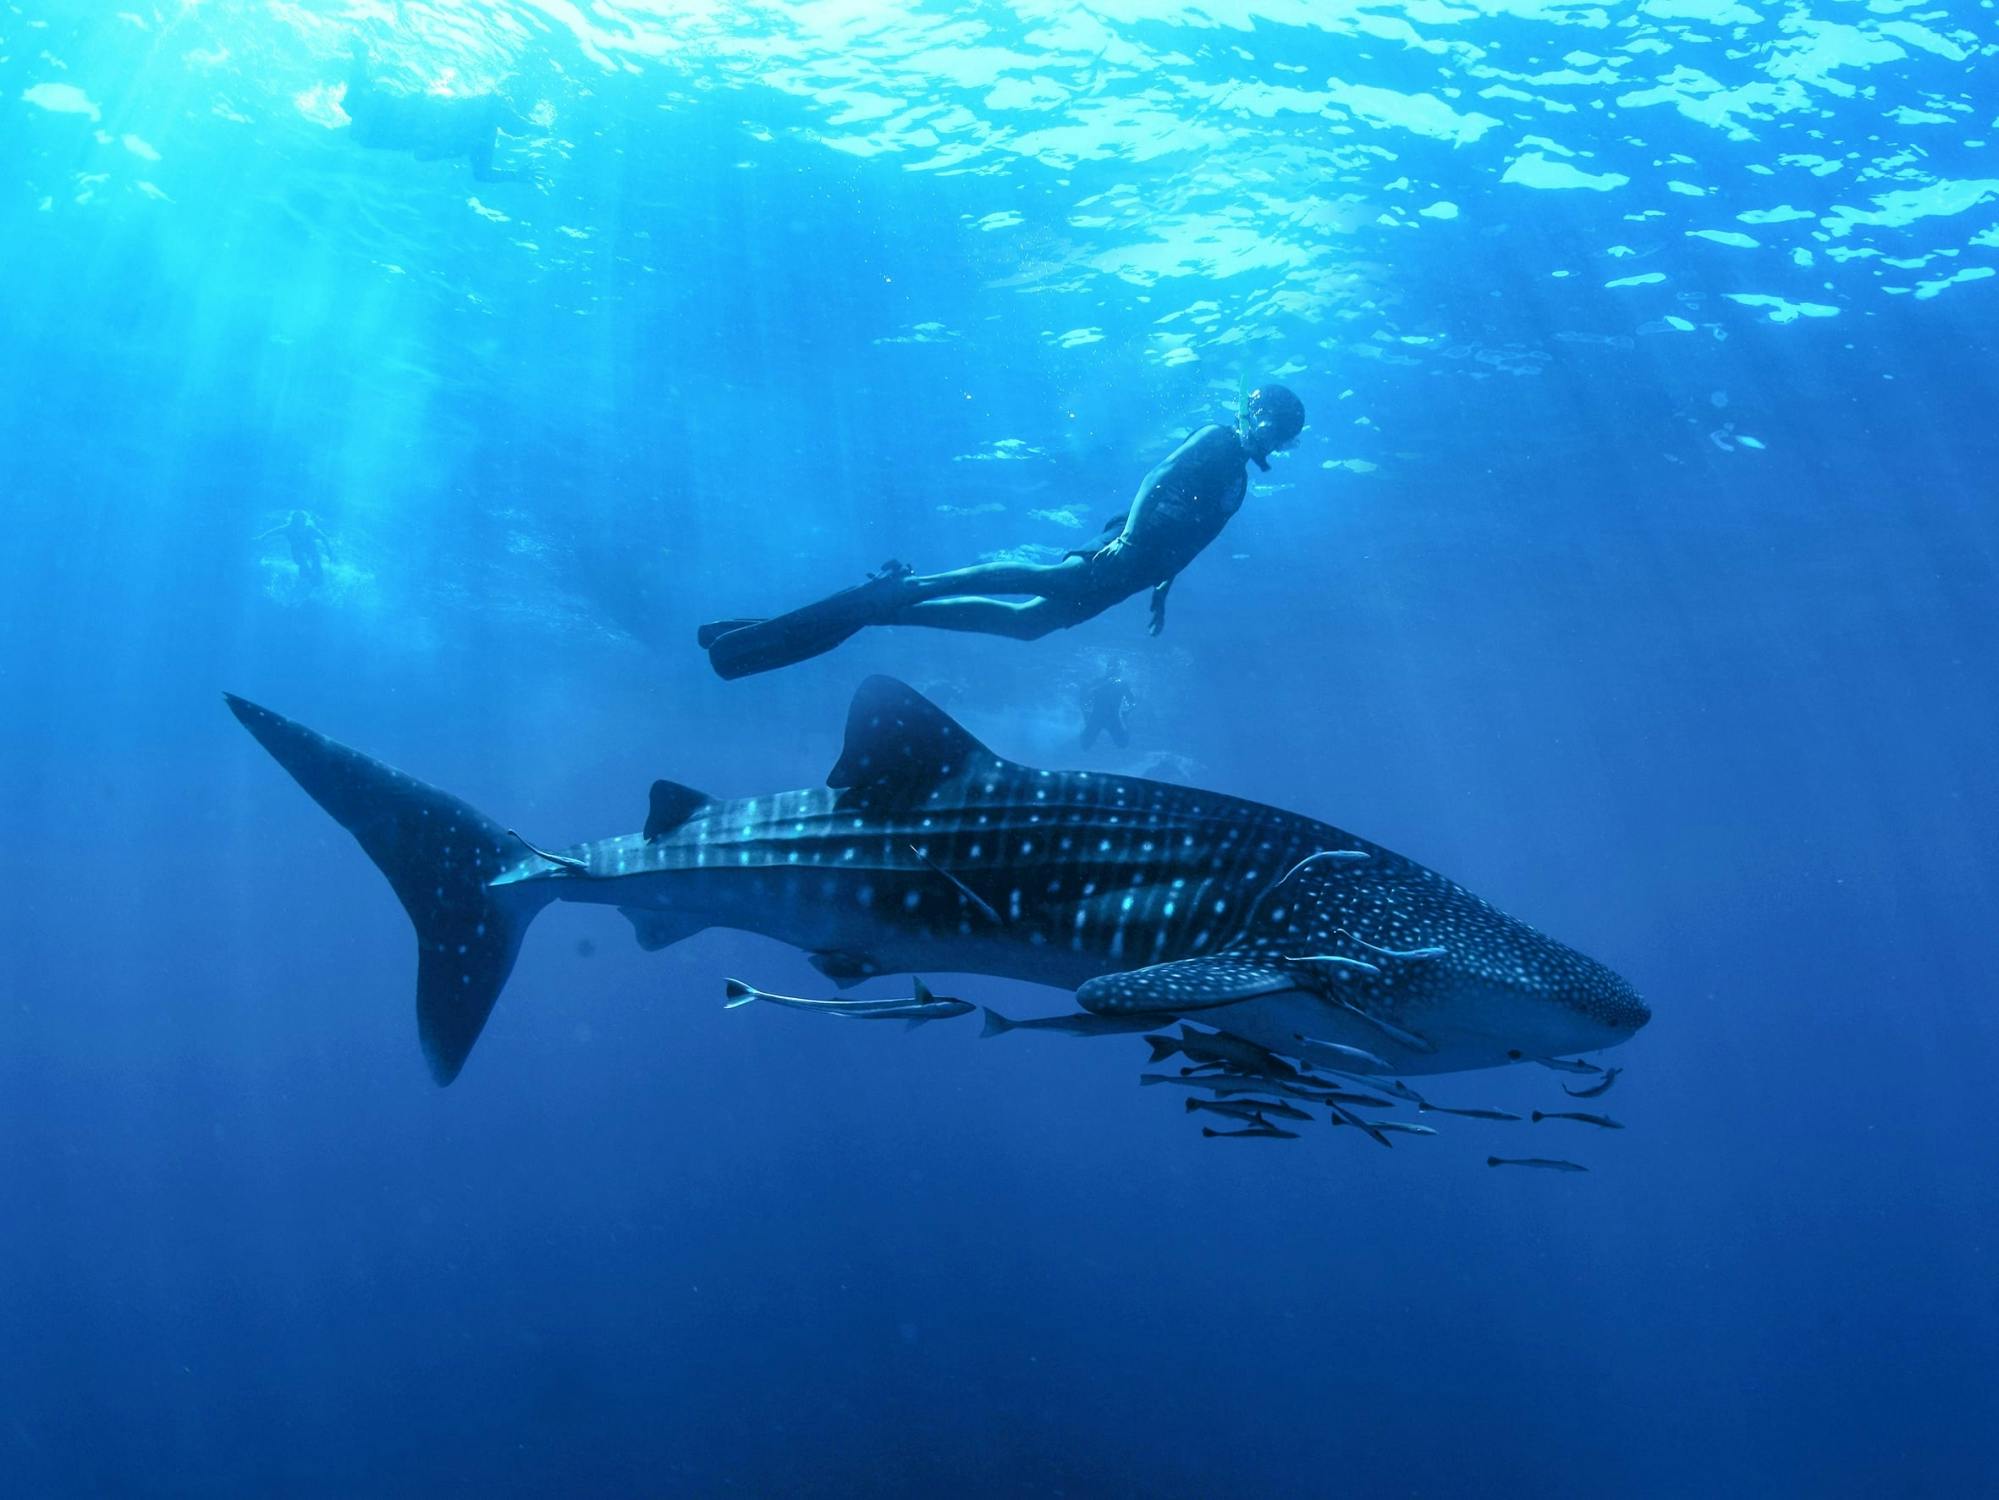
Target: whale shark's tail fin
point(438, 854)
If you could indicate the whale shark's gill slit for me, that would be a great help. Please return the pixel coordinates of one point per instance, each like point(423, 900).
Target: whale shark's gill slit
point(1305, 869)
point(964, 890)
point(1408, 1039)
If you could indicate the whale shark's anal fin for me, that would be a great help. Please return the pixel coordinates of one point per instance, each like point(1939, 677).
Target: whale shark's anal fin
point(843, 967)
point(659, 929)
point(439, 855)
point(1186, 985)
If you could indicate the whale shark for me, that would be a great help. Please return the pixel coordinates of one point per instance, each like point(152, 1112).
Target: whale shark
point(927, 852)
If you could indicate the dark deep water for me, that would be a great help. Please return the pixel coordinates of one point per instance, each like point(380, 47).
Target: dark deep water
point(801, 287)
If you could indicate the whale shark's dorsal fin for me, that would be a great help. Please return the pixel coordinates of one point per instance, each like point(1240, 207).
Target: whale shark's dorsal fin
point(899, 742)
point(672, 804)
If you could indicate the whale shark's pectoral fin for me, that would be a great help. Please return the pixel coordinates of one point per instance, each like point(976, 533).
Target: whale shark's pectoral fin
point(1190, 984)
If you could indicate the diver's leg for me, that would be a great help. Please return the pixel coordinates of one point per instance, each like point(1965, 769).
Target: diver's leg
point(894, 597)
point(1045, 580)
point(1028, 621)
point(1120, 736)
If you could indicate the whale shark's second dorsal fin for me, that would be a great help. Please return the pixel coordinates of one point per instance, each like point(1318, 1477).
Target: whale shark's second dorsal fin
point(900, 743)
point(672, 804)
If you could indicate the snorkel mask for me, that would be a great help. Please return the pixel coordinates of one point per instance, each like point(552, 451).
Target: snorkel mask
point(1271, 412)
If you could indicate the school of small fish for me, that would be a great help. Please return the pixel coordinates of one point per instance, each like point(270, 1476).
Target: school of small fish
point(1249, 1087)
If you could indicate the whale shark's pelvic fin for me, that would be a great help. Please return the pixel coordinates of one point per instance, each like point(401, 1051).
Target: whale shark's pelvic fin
point(1186, 985)
point(659, 929)
point(438, 853)
point(901, 746)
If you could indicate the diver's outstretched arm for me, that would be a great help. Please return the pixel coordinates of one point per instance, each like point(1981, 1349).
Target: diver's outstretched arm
point(265, 536)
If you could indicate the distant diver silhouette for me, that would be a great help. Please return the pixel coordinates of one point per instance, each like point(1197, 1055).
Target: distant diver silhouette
point(310, 547)
point(1181, 506)
point(431, 127)
point(1105, 703)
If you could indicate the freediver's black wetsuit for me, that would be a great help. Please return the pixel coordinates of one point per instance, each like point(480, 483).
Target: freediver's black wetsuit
point(1181, 506)
point(309, 545)
point(1104, 707)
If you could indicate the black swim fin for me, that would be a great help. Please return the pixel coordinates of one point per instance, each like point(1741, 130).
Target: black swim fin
point(811, 631)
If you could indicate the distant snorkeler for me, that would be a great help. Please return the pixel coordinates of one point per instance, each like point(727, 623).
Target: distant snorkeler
point(1105, 703)
point(430, 127)
point(311, 549)
point(1181, 506)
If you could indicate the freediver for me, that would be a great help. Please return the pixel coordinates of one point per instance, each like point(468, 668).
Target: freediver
point(1105, 703)
point(1181, 506)
point(311, 549)
point(430, 127)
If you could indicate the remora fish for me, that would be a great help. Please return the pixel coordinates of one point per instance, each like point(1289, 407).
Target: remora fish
point(1221, 1048)
point(1080, 1024)
point(1266, 1132)
point(1548, 1162)
point(916, 1009)
point(1559, 1064)
point(1602, 1122)
point(1248, 1109)
point(1595, 1090)
point(1144, 898)
point(1426, 1107)
point(1342, 1050)
point(1232, 1085)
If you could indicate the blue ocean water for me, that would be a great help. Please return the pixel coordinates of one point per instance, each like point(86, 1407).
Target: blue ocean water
point(1636, 568)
